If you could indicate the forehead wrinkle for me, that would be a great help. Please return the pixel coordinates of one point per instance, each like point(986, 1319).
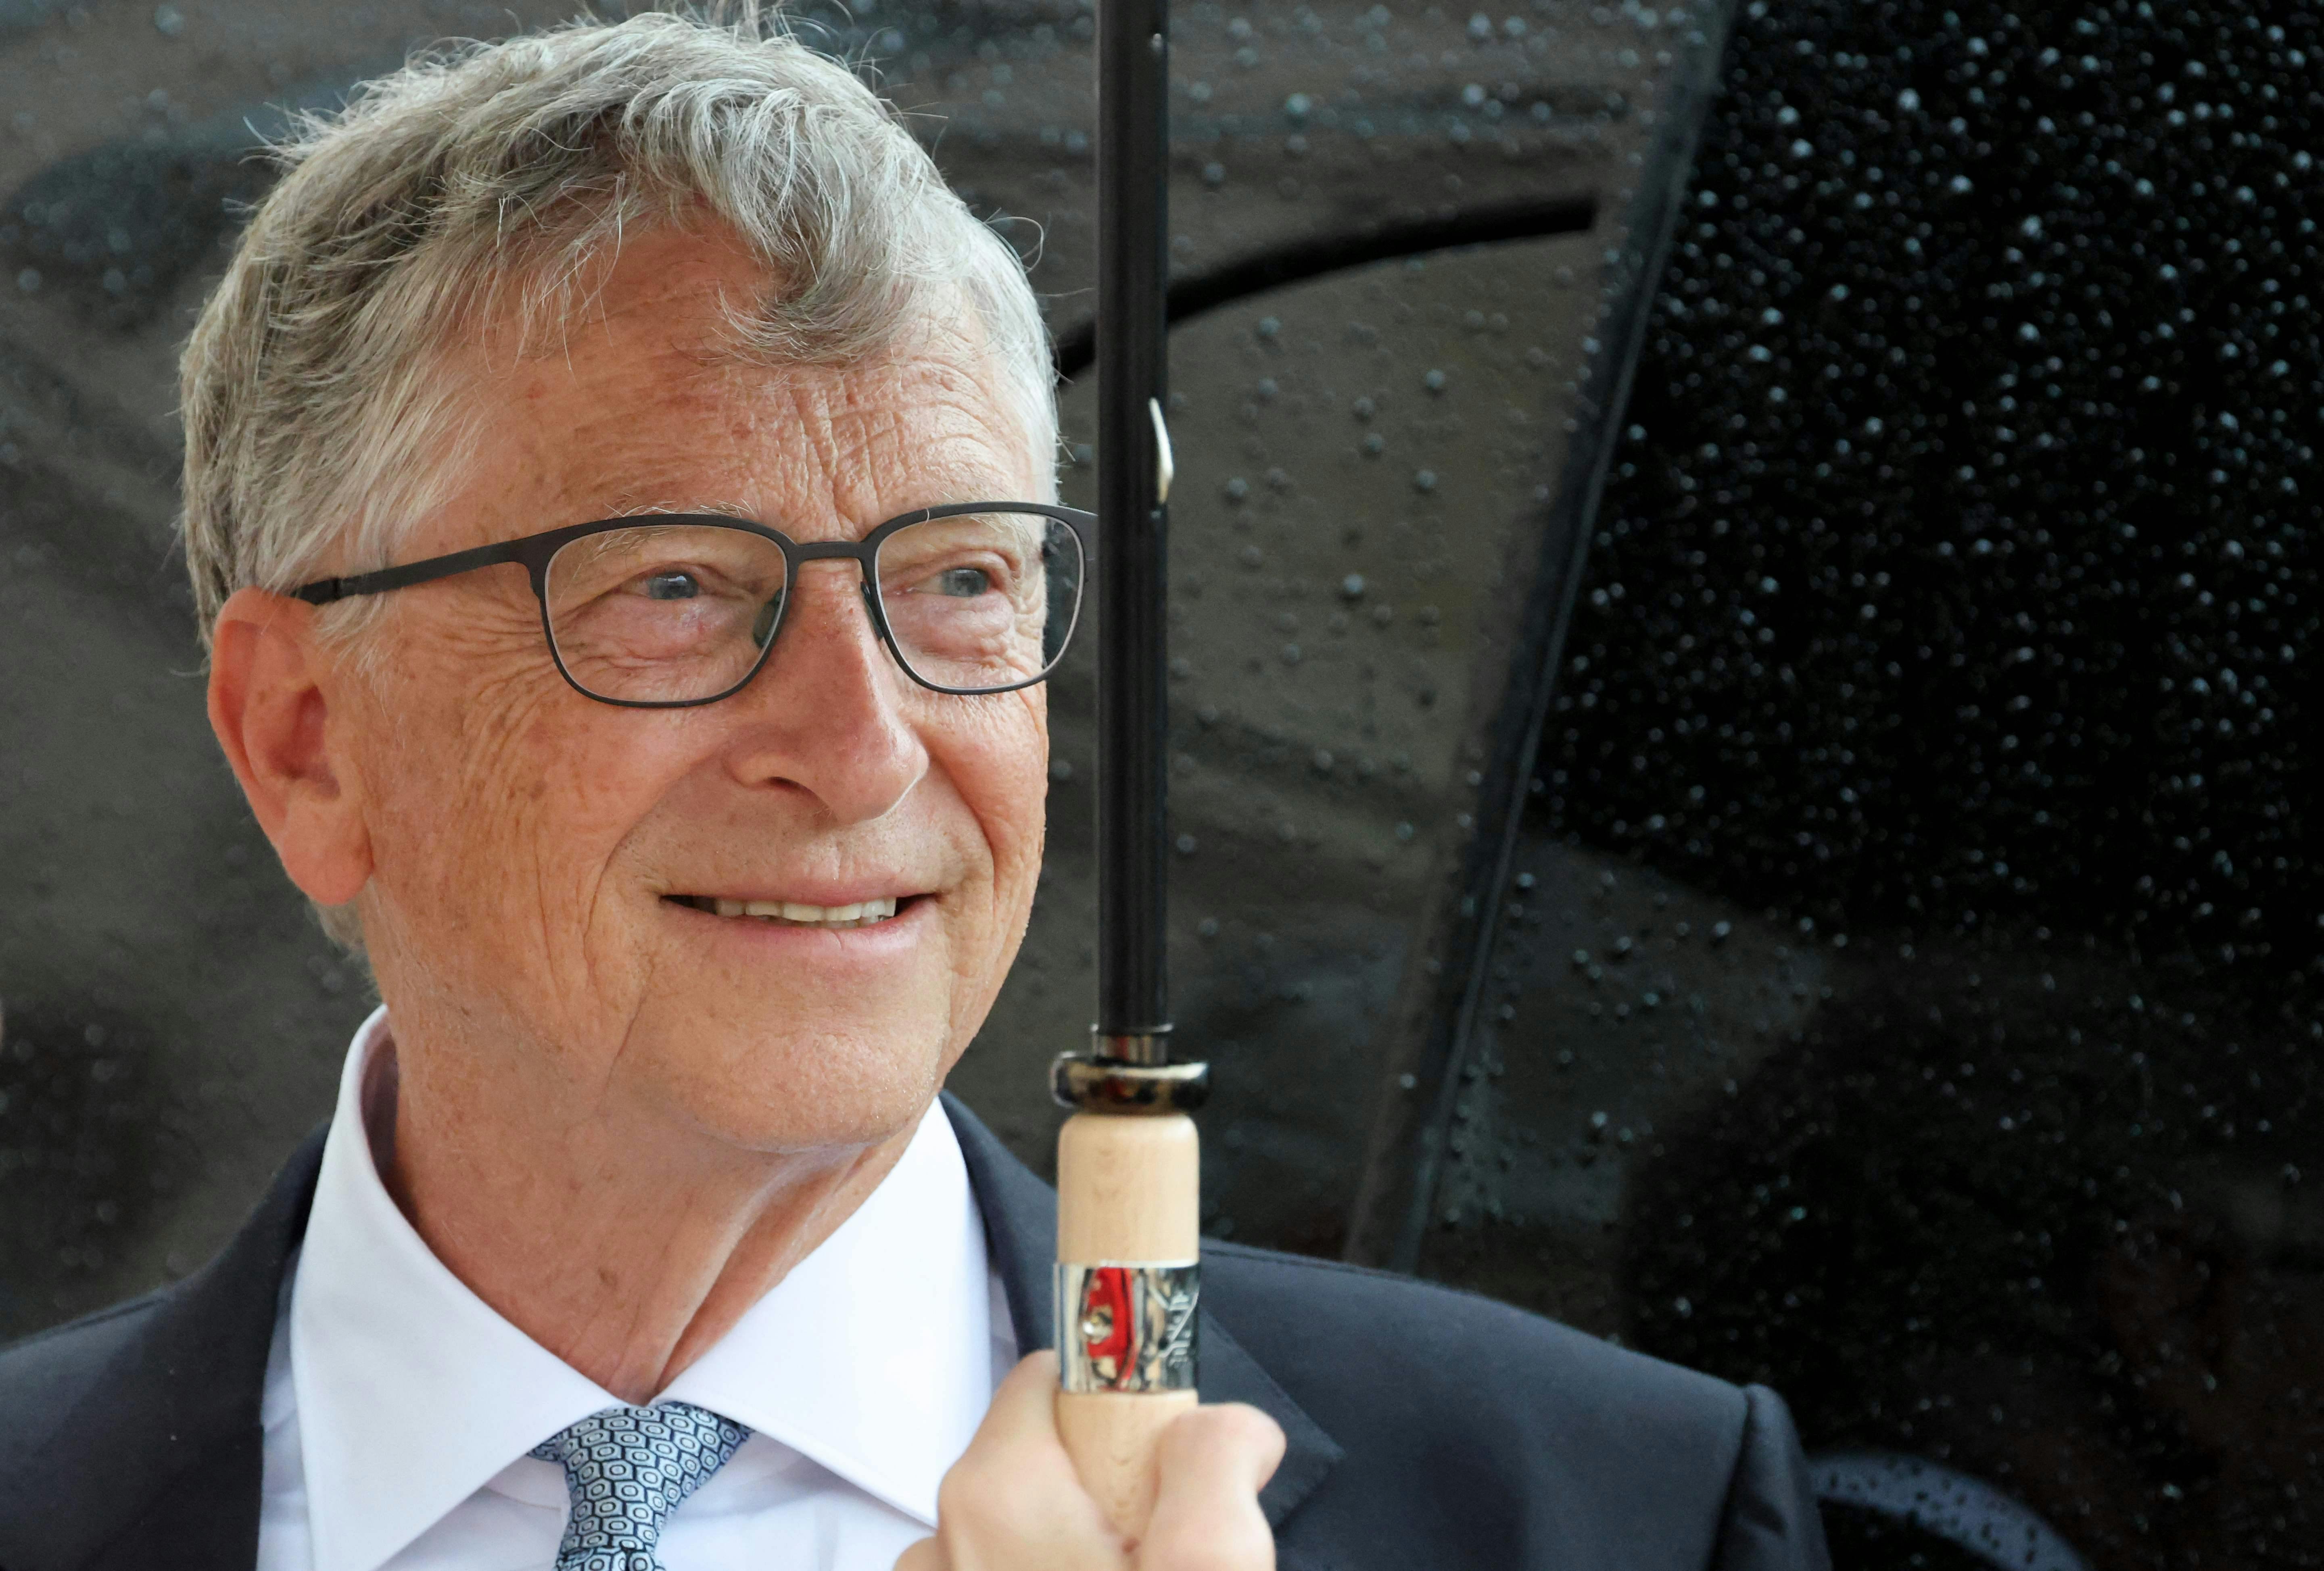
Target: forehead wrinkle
point(953, 429)
point(881, 438)
point(804, 449)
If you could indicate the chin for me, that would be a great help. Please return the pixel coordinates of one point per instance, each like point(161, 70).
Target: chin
point(793, 1084)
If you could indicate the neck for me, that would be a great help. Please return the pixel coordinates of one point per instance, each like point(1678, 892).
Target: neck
point(626, 1247)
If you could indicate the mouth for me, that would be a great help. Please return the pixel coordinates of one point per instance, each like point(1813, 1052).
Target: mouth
point(787, 913)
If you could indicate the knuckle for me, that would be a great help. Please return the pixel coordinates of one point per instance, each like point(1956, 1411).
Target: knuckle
point(1243, 1425)
point(1242, 1543)
point(965, 1499)
point(1230, 1428)
point(989, 1500)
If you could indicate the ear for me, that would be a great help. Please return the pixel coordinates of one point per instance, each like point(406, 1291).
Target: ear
point(271, 700)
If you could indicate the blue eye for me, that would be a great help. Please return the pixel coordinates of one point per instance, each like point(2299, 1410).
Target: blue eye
point(672, 586)
point(965, 582)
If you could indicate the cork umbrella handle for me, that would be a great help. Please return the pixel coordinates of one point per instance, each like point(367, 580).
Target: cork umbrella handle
point(1128, 1193)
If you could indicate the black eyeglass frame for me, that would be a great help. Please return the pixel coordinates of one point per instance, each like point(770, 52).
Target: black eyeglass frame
point(533, 552)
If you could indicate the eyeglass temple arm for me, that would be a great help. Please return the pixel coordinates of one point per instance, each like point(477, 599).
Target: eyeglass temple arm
point(323, 591)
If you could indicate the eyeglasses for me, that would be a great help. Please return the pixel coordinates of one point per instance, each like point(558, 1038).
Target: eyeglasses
point(671, 611)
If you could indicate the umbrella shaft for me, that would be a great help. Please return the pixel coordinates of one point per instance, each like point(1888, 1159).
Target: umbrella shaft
point(1133, 553)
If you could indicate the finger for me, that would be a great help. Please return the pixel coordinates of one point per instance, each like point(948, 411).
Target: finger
point(1018, 1436)
point(1212, 1464)
point(927, 1555)
point(1024, 1405)
point(1013, 1502)
point(1225, 1447)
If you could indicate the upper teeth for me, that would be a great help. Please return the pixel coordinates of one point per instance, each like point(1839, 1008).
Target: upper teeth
point(793, 911)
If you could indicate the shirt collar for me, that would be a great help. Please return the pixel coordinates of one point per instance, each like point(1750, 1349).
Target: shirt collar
point(873, 1356)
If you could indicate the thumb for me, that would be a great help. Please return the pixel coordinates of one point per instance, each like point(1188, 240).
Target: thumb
point(927, 1555)
point(1211, 1465)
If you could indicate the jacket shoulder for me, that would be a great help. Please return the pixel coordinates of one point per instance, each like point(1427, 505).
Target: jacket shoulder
point(1292, 1310)
point(130, 1438)
point(1507, 1438)
point(46, 1376)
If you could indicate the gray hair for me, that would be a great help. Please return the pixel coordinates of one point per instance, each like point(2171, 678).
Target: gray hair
point(490, 182)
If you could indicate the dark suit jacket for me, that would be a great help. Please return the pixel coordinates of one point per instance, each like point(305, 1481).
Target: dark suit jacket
point(1427, 1428)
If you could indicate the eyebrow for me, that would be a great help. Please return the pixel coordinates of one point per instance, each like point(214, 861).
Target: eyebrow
point(663, 509)
point(728, 508)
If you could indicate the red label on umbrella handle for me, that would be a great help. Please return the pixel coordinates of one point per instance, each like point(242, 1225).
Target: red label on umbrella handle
point(1127, 1327)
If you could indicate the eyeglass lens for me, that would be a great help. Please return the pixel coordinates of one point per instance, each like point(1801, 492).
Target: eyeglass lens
point(679, 613)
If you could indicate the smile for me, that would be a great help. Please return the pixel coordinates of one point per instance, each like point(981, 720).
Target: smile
point(792, 913)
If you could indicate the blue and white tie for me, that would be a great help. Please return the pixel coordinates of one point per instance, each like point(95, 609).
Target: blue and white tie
point(627, 1469)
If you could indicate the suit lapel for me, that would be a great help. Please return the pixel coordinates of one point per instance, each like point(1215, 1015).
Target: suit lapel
point(155, 1458)
point(1020, 1238)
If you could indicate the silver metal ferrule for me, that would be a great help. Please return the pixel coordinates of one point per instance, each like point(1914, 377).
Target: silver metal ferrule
point(1111, 1086)
point(1126, 1325)
point(1150, 1047)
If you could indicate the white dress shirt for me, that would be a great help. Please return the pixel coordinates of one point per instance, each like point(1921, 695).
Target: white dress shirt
point(399, 1407)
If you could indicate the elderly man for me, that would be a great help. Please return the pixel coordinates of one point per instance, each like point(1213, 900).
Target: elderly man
point(618, 491)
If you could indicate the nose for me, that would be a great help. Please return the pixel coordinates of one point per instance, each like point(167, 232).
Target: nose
point(828, 713)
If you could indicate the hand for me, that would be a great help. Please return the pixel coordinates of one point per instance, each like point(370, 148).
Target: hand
point(1013, 1503)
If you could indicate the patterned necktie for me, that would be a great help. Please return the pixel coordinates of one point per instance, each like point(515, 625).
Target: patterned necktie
point(627, 1469)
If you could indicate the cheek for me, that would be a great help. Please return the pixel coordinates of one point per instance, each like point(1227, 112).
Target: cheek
point(1012, 790)
point(996, 753)
point(502, 791)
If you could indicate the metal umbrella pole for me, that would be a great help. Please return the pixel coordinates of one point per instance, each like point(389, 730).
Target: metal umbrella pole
point(1128, 1273)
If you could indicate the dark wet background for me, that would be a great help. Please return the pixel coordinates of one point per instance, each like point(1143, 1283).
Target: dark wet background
point(1835, 910)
